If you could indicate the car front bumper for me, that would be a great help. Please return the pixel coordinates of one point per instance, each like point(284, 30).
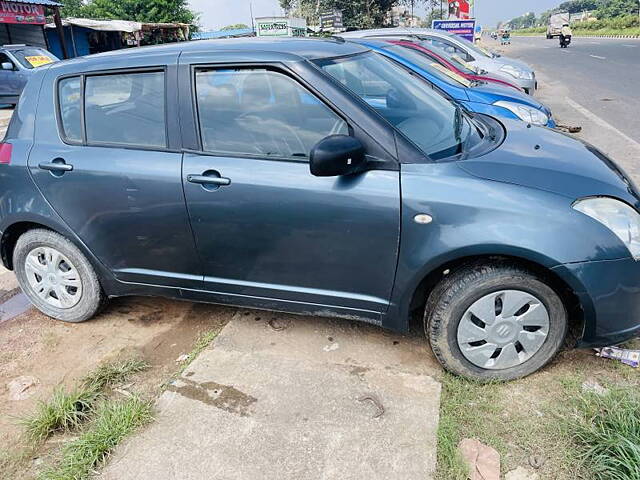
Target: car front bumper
point(609, 294)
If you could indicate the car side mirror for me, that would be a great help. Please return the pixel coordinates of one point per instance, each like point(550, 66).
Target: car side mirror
point(336, 155)
point(7, 66)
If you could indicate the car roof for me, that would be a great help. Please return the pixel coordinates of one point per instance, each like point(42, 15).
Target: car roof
point(373, 32)
point(305, 48)
point(18, 47)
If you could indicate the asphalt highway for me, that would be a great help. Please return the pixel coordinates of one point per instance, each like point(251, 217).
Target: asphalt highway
point(601, 76)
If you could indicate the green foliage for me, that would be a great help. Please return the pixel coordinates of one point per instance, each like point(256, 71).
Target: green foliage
point(356, 13)
point(67, 411)
point(113, 373)
point(606, 429)
point(577, 6)
point(149, 11)
point(72, 8)
point(113, 422)
point(236, 26)
point(63, 412)
point(617, 8)
point(627, 25)
point(603, 10)
point(464, 406)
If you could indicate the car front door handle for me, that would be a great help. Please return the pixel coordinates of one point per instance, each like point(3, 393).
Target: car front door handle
point(56, 166)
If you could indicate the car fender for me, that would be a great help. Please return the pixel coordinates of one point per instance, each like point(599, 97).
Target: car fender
point(473, 218)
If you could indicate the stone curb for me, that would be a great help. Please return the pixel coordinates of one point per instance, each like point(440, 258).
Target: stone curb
point(582, 36)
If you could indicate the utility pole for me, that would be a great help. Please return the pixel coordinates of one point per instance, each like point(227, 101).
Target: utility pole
point(60, 29)
point(251, 13)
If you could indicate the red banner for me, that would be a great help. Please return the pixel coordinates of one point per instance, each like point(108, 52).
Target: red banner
point(459, 9)
point(24, 13)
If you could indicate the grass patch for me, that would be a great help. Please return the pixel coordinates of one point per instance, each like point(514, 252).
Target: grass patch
point(606, 431)
point(203, 341)
point(63, 412)
point(114, 420)
point(66, 411)
point(113, 373)
point(464, 408)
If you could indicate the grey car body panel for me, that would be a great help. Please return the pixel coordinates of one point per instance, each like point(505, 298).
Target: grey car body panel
point(346, 247)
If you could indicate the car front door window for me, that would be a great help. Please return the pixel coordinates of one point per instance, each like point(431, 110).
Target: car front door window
point(260, 112)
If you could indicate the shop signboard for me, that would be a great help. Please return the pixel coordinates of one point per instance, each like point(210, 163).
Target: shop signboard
point(463, 28)
point(21, 13)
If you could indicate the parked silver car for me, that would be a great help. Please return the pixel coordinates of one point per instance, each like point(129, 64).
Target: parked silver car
point(517, 72)
point(17, 62)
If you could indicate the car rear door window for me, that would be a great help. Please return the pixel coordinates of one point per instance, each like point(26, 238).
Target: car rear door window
point(261, 112)
point(126, 109)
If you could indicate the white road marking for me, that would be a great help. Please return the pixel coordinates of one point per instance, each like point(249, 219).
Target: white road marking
point(598, 57)
point(630, 46)
point(596, 119)
point(594, 43)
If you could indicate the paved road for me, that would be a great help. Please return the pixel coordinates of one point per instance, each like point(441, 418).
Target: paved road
point(601, 75)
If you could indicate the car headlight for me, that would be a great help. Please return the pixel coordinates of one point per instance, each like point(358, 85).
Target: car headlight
point(517, 72)
point(525, 113)
point(617, 216)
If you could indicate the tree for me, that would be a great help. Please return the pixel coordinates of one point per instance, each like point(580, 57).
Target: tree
point(236, 26)
point(147, 11)
point(617, 8)
point(72, 8)
point(355, 13)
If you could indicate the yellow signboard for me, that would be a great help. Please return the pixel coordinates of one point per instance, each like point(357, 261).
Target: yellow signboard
point(38, 60)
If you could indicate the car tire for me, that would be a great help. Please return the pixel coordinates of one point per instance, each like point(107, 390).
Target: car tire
point(472, 347)
point(57, 277)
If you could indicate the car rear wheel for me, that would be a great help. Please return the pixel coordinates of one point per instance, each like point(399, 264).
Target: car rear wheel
point(56, 276)
point(494, 322)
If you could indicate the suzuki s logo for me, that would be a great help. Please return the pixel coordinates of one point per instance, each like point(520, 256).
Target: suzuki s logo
point(503, 330)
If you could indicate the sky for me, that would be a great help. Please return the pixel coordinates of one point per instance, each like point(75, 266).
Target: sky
point(216, 14)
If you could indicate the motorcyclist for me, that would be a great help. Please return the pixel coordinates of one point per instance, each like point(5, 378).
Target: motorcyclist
point(565, 35)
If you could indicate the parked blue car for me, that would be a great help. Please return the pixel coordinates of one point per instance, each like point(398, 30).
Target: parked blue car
point(320, 178)
point(17, 63)
point(477, 97)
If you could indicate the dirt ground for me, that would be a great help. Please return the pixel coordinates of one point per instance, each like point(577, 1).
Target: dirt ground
point(48, 353)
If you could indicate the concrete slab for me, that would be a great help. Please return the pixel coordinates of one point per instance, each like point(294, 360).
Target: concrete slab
point(286, 397)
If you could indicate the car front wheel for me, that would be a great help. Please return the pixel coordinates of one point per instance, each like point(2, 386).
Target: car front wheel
point(56, 276)
point(494, 322)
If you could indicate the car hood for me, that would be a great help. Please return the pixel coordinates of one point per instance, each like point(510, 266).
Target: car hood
point(492, 94)
point(514, 62)
point(497, 76)
point(545, 159)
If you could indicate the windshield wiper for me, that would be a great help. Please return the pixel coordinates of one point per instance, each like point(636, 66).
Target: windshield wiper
point(458, 124)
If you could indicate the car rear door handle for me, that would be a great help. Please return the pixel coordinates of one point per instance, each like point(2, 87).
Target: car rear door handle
point(209, 180)
point(56, 166)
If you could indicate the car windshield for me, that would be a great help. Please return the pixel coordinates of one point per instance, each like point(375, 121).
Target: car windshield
point(433, 66)
point(33, 57)
point(455, 59)
point(479, 50)
point(432, 122)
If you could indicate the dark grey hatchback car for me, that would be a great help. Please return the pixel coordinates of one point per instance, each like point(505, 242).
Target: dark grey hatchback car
point(315, 177)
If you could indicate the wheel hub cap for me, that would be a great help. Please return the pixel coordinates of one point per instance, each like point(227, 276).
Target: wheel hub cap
point(503, 329)
point(53, 278)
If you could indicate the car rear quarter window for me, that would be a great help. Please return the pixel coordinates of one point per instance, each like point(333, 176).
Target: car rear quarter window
point(261, 112)
point(69, 94)
point(126, 109)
